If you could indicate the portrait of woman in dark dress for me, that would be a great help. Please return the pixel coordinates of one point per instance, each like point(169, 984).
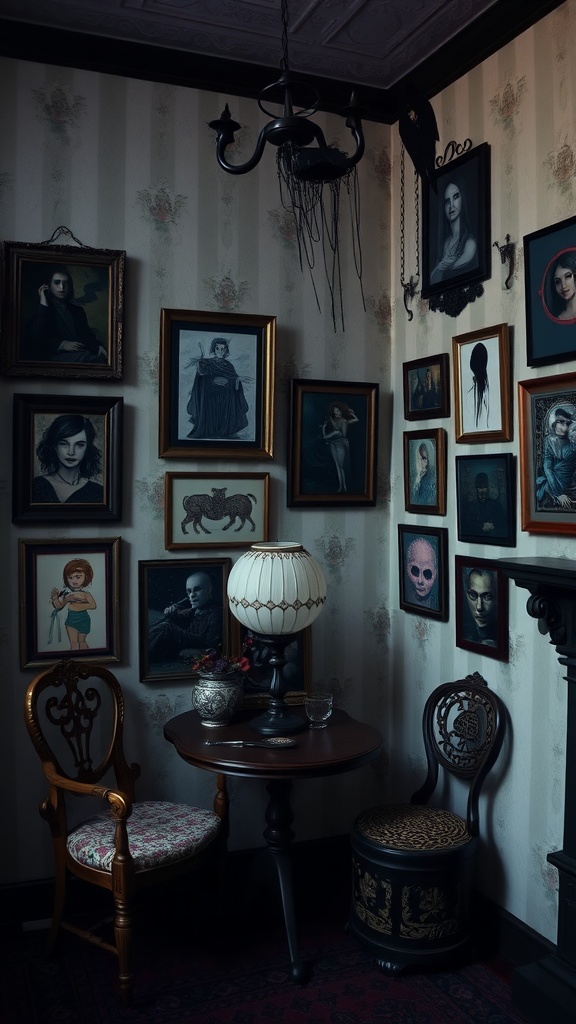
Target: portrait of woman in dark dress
point(69, 461)
point(217, 406)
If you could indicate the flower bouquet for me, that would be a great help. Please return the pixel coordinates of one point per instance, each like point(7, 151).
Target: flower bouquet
point(213, 662)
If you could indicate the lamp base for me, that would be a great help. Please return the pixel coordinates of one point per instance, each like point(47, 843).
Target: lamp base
point(278, 720)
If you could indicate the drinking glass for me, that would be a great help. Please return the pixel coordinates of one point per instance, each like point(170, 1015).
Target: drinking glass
point(319, 708)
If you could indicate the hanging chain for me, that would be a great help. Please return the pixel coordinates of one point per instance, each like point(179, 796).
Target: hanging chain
point(417, 218)
point(402, 212)
point(410, 286)
point(285, 63)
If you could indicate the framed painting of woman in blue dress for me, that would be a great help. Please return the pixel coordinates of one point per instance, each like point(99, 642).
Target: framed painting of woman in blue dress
point(332, 444)
point(547, 408)
point(550, 289)
point(67, 461)
point(456, 222)
point(216, 385)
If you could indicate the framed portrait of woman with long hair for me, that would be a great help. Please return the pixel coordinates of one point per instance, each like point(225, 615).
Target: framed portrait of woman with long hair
point(550, 289)
point(67, 462)
point(425, 471)
point(456, 222)
point(332, 447)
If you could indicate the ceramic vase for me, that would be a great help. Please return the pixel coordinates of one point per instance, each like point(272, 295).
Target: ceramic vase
point(216, 698)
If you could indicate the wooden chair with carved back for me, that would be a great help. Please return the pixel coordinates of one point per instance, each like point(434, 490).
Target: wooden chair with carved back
point(413, 864)
point(74, 715)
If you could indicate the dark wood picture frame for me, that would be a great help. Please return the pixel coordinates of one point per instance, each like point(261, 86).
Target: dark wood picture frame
point(482, 390)
point(239, 424)
point(329, 468)
point(35, 340)
point(550, 333)
point(548, 458)
point(45, 424)
point(468, 178)
point(297, 671)
point(199, 515)
point(481, 598)
point(162, 584)
point(425, 471)
point(426, 385)
point(486, 498)
point(423, 570)
point(48, 630)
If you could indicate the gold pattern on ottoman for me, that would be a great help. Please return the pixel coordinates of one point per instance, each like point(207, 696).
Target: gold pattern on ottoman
point(410, 827)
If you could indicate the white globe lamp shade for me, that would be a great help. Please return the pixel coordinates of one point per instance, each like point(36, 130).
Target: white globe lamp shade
point(276, 588)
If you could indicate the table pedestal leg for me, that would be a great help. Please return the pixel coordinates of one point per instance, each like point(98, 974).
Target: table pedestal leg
point(279, 837)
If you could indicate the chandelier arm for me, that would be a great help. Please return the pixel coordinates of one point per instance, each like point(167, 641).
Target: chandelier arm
point(355, 126)
point(223, 140)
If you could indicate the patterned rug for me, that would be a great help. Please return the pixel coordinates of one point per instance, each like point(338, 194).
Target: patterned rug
point(235, 972)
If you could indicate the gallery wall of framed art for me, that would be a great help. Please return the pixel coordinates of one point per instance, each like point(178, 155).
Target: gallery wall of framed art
point(129, 166)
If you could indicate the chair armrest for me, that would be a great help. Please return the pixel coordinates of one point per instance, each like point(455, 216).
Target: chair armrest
point(120, 805)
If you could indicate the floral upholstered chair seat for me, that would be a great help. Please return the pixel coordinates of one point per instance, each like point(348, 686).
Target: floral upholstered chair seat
point(159, 833)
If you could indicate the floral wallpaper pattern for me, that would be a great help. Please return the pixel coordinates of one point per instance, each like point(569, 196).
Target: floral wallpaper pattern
point(59, 112)
point(160, 207)
point(561, 164)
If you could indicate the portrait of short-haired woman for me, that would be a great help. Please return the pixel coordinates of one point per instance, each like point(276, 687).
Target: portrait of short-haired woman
point(70, 462)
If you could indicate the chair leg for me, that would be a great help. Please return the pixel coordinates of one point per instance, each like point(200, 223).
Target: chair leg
point(222, 809)
point(59, 900)
point(123, 939)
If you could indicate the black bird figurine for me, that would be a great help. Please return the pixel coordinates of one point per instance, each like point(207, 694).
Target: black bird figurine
point(418, 131)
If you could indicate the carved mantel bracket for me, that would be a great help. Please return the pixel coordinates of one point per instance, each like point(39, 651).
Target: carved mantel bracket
point(546, 990)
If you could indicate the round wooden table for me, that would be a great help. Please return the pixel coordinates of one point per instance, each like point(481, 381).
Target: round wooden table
point(342, 746)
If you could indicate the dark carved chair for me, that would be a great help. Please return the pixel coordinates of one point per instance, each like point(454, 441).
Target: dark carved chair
point(74, 715)
point(413, 863)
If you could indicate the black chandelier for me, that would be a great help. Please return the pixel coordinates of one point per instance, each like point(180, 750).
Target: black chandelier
point(304, 169)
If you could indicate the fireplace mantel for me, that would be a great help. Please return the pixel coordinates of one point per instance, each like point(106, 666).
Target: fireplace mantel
point(546, 991)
